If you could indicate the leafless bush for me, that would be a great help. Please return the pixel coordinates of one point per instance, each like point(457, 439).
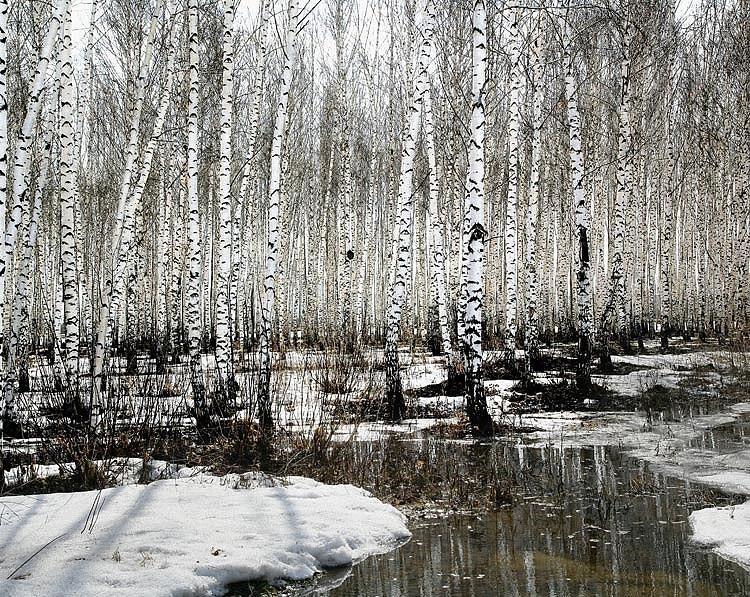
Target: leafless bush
point(338, 369)
point(138, 420)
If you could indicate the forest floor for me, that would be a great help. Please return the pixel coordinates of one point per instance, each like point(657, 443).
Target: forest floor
point(184, 517)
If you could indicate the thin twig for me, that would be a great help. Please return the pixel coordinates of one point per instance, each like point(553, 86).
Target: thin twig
point(32, 556)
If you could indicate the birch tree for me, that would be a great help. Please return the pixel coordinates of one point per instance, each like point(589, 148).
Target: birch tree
point(666, 239)
point(274, 194)
point(136, 194)
point(116, 235)
point(582, 224)
point(223, 298)
point(435, 230)
point(511, 209)
point(193, 287)
point(531, 340)
point(22, 158)
point(82, 113)
point(618, 294)
point(346, 215)
point(3, 119)
point(67, 208)
point(21, 167)
point(21, 323)
point(245, 207)
point(394, 400)
point(3, 179)
point(473, 254)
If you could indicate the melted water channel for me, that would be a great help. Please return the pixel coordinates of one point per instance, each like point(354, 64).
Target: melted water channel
point(588, 522)
point(585, 541)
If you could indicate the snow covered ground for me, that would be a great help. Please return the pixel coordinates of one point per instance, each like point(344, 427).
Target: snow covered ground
point(375, 431)
point(725, 530)
point(187, 536)
point(665, 370)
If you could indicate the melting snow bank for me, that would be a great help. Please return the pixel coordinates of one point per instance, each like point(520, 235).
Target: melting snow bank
point(188, 536)
point(630, 430)
point(665, 444)
point(725, 530)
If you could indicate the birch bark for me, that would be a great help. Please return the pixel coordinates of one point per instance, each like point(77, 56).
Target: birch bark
point(532, 213)
point(435, 229)
point(116, 235)
point(274, 195)
point(67, 208)
point(473, 254)
point(223, 298)
point(582, 225)
point(618, 291)
point(194, 278)
point(394, 405)
point(511, 210)
point(22, 158)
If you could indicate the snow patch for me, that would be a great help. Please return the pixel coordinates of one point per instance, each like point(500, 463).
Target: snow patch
point(725, 530)
point(187, 536)
point(420, 376)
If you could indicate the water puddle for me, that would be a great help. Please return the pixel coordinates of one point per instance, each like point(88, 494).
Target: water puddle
point(584, 521)
point(589, 522)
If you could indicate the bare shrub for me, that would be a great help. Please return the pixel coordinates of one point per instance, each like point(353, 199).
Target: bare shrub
point(338, 369)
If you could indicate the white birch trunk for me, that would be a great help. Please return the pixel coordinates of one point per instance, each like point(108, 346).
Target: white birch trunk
point(133, 201)
point(18, 344)
point(84, 92)
point(622, 197)
point(584, 297)
point(223, 298)
point(67, 208)
point(177, 265)
point(116, 234)
point(163, 262)
point(244, 213)
point(3, 185)
point(666, 242)
point(346, 218)
point(531, 340)
point(435, 229)
point(194, 277)
point(404, 219)
point(22, 159)
point(475, 231)
point(511, 212)
point(274, 196)
point(3, 146)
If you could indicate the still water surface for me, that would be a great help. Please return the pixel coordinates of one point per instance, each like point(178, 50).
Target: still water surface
point(590, 522)
point(586, 522)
